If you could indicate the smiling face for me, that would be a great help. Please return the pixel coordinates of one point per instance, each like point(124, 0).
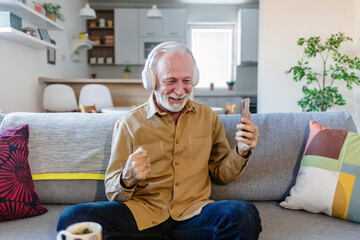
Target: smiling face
point(173, 81)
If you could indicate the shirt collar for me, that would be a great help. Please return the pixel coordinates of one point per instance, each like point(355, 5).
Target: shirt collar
point(152, 109)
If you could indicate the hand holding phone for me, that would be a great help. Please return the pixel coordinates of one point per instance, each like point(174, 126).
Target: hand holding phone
point(245, 113)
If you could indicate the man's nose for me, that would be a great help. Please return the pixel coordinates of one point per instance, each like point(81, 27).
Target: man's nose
point(179, 88)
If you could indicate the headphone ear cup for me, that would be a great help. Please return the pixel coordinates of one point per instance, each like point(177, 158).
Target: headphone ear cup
point(148, 78)
point(152, 79)
point(196, 76)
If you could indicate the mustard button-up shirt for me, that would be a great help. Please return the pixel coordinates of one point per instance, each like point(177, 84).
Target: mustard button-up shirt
point(184, 156)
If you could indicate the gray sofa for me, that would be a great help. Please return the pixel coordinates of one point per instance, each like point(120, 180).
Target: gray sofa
point(63, 142)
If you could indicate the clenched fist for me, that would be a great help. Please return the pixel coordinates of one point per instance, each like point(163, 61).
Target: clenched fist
point(137, 168)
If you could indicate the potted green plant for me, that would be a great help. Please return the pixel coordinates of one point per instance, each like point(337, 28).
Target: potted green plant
point(324, 95)
point(211, 86)
point(53, 11)
point(127, 72)
point(230, 84)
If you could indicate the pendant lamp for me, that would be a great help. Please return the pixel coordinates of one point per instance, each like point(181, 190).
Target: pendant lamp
point(87, 12)
point(154, 12)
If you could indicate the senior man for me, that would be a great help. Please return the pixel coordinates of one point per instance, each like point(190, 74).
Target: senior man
point(163, 157)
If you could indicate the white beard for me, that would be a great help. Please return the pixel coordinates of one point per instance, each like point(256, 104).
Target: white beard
point(164, 101)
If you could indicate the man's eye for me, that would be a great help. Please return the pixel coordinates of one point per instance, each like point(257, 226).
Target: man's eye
point(187, 81)
point(170, 82)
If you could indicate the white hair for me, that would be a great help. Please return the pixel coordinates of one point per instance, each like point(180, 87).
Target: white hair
point(159, 66)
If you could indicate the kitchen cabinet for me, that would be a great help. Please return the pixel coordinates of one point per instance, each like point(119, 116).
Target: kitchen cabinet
point(101, 48)
point(149, 27)
point(126, 36)
point(249, 20)
point(31, 16)
point(146, 44)
point(174, 22)
point(136, 35)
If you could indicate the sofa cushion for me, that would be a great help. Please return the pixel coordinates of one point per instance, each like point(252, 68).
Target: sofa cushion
point(328, 179)
point(41, 227)
point(280, 224)
point(18, 198)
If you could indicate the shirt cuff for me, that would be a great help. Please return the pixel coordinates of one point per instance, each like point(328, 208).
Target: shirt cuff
point(239, 161)
point(120, 193)
point(123, 188)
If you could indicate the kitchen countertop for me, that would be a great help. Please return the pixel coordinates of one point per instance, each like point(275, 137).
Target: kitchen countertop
point(223, 93)
point(88, 80)
point(197, 92)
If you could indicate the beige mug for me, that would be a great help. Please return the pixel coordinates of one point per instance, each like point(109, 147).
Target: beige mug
point(82, 231)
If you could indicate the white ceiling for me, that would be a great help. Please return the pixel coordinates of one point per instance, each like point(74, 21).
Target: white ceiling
point(174, 3)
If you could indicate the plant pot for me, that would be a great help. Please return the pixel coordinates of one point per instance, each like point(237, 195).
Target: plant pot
point(230, 87)
point(51, 16)
point(126, 75)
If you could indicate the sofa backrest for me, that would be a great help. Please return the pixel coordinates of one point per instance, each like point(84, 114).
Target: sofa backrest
point(78, 143)
point(272, 171)
point(67, 143)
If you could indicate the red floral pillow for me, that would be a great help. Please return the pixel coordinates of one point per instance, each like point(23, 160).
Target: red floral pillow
point(18, 198)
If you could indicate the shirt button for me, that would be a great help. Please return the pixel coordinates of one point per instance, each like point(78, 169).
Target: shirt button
point(154, 222)
point(177, 184)
point(177, 142)
point(171, 206)
point(169, 121)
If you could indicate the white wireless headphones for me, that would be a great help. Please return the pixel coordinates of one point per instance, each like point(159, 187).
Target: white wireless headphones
point(148, 75)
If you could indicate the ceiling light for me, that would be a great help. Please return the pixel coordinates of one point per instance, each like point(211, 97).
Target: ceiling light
point(87, 12)
point(154, 12)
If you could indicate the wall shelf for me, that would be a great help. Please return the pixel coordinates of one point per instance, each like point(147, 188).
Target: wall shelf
point(102, 50)
point(30, 15)
point(15, 35)
point(77, 46)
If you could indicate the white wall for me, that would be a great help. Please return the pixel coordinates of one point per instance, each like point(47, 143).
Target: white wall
point(281, 24)
point(21, 66)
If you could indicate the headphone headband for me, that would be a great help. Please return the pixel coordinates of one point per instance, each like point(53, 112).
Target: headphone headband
point(148, 74)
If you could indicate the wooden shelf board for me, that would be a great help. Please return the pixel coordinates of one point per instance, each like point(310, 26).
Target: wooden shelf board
point(103, 45)
point(15, 35)
point(30, 15)
point(101, 64)
point(89, 80)
point(101, 28)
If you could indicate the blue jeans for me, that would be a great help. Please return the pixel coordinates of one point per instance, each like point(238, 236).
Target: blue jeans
point(218, 220)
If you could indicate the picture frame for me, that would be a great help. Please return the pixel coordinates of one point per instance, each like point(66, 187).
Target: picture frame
point(44, 35)
point(51, 54)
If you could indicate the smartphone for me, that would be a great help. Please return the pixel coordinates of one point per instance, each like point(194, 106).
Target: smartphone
point(245, 112)
point(245, 105)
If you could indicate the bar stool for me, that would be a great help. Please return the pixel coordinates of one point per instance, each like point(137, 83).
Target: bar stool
point(59, 98)
point(97, 94)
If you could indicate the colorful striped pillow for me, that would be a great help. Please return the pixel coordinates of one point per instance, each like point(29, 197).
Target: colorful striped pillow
point(18, 198)
point(329, 176)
